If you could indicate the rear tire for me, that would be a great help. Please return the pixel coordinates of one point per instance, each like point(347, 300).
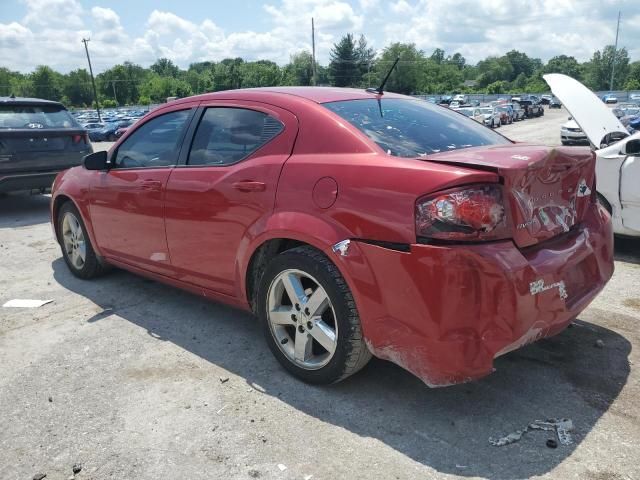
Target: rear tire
point(318, 344)
point(77, 250)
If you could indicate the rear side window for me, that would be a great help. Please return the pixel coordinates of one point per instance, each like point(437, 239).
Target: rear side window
point(16, 116)
point(154, 144)
point(414, 128)
point(228, 135)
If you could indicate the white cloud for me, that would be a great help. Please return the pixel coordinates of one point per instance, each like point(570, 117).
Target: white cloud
point(51, 30)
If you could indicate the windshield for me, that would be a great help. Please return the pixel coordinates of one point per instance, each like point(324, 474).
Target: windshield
point(488, 111)
point(413, 128)
point(35, 116)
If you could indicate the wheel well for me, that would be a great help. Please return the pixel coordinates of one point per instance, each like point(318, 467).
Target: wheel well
point(605, 203)
point(57, 205)
point(259, 260)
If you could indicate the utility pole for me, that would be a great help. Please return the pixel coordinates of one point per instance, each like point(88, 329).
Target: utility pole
point(113, 85)
point(313, 53)
point(615, 49)
point(93, 82)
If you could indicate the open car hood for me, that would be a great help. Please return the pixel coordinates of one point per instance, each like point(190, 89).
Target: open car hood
point(595, 119)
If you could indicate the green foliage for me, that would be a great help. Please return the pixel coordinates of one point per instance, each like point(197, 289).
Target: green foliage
point(409, 71)
point(108, 103)
point(353, 63)
point(344, 69)
point(598, 70)
point(299, 70)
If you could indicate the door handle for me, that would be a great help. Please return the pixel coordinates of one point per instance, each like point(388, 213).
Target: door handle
point(151, 185)
point(250, 186)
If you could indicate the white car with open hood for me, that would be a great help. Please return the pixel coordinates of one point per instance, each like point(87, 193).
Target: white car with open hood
point(617, 152)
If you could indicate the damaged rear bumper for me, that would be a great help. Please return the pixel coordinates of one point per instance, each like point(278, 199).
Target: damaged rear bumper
point(445, 312)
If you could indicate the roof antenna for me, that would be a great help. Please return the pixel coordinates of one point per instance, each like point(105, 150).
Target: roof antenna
point(384, 82)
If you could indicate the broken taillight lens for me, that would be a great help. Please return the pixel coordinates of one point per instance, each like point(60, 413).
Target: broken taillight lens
point(471, 213)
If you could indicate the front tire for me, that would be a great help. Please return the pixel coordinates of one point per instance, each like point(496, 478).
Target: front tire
point(310, 319)
point(76, 246)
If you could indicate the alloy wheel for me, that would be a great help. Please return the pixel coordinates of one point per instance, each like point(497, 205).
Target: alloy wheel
point(73, 239)
point(302, 319)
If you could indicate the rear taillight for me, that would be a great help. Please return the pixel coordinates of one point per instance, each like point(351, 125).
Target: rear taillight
point(471, 213)
point(84, 138)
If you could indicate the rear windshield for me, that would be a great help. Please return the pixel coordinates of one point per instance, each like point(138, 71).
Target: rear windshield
point(414, 128)
point(35, 116)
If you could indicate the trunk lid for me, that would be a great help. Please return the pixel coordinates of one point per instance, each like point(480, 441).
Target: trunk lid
point(595, 118)
point(547, 189)
point(30, 150)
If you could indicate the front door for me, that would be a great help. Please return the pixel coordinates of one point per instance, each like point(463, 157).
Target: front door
point(630, 192)
point(127, 201)
point(227, 186)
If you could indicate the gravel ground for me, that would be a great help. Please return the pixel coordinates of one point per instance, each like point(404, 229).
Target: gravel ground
point(136, 380)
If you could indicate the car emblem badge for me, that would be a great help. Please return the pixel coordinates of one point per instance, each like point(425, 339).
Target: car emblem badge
point(583, 189)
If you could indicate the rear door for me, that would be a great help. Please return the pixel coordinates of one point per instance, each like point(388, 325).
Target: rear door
point(225, 185)
point(39, 138)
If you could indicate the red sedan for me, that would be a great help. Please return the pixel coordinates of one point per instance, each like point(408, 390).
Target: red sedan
point(350, 222)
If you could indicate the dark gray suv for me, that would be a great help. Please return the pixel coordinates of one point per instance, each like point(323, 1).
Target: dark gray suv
point(38, 139)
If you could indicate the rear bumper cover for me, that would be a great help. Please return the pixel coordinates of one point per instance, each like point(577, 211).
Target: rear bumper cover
point(26, 181)
point(445, 312)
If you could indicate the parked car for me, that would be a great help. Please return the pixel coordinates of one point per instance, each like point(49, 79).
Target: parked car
point(555, 103)
point(446, 99)
point(491, 117)
point(531, 106)
point(108, 133)
point(617, 152)
point(634, 97)
point(518, 112)
point(461, 98)
point(506, 114)
point(349, 247)
point(545, 99)
point(572, 134)
point(454, 104)
point(473, 113)
point(38, 139)
point(609, 98)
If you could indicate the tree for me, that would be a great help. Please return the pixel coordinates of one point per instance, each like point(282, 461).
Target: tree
point(564, 64)
point(165, 68)
point(46, 83)
point(633, 78)
point(598, 70)
point(365, 56)
point(407, 77)
point(521, 63)
point(76, 87)
point(299, 70)
point(344, 65)
point(262, 73)
point(437, 56)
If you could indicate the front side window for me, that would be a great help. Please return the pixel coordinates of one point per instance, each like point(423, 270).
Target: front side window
point(228, 135)
point(413, 128)
point(154, 144)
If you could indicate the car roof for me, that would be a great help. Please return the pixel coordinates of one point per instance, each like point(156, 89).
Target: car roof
point(28, 101)
point(314, 94)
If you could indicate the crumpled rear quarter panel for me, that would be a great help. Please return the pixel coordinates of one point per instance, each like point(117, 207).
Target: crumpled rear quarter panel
point(445, 312)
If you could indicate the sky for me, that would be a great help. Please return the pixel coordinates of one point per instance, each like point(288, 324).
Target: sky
point(36, 32)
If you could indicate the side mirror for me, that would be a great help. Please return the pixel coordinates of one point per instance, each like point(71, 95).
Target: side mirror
point(96, 161)
point(632, 147)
